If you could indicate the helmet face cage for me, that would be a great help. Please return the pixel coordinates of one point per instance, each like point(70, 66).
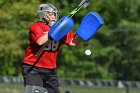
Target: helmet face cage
point(44, 8)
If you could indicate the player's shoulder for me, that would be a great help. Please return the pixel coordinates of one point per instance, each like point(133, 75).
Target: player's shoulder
point(33, 25)
point(36, 25)
point(39, 26)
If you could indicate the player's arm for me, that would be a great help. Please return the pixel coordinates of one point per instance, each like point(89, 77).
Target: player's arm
point(76, 41)
point(38, 35)
point(43, 39)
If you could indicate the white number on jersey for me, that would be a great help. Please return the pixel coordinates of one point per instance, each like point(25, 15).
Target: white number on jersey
point(53, 45)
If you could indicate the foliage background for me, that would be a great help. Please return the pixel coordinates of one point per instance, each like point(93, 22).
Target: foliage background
point(115, 47)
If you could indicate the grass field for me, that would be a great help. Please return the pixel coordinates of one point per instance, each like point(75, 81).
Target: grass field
point(18, 88)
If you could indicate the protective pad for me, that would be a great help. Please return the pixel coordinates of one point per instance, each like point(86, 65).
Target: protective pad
point(61, 28)
point(89, 25)
point(35, 89)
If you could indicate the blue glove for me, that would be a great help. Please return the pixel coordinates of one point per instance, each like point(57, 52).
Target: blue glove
point(89, 26)
point(61, 28)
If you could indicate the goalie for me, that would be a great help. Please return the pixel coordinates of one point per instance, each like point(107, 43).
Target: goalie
point(43, 76)
point(39, 72)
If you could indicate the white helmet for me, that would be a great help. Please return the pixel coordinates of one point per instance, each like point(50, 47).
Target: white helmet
point(43, 8)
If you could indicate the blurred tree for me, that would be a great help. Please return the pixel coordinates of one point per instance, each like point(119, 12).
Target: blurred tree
point(115, 52)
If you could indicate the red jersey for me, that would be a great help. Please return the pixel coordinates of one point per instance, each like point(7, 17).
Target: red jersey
point(47, 58)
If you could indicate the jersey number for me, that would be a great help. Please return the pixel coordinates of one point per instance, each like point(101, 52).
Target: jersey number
point(53, 45)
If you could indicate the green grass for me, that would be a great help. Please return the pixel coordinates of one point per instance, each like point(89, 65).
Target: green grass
point(77, 89)
point(11, 88)
point(19, 88)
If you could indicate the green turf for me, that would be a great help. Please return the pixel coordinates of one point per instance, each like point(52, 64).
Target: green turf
point(76, 89)
point(11, 88)
point(18, 88)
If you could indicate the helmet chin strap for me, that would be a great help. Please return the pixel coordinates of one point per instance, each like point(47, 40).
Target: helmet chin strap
point(45, 21)
point(50, 23)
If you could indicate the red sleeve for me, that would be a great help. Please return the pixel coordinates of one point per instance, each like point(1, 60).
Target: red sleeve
point(35, 32)
point(68, 38)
